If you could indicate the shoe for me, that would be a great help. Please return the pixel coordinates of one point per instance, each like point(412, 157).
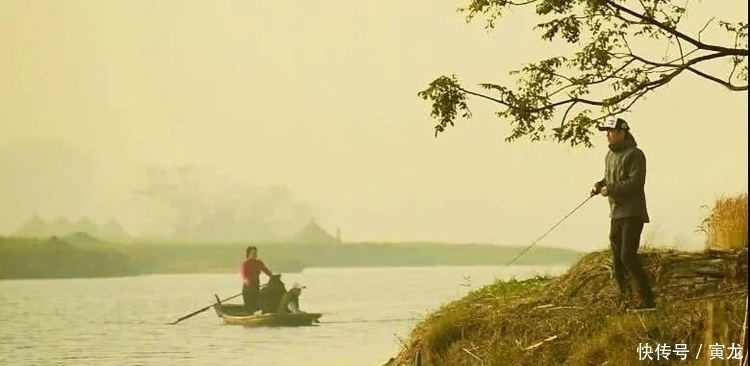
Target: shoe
point(640, 305)
point(623, 300)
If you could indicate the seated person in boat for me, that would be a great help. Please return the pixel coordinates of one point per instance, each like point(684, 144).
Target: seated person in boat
point(290, 301)
point(251, 268)
point(271, 294)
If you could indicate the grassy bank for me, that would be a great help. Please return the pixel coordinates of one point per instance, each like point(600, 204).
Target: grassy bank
point(575, 319)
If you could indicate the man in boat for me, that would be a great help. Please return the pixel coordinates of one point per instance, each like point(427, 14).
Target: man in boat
point(290, 301)
point(623, 185)
point(251, 268)
point(271, 294)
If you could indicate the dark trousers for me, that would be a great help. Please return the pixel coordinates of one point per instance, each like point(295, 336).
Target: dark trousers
point(624, 239)
point(251, 298)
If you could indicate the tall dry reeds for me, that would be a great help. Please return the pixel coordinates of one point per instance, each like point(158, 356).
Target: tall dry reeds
point(726, 224)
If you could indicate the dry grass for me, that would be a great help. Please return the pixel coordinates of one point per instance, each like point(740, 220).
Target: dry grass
point(726, 224)
point(574, 319)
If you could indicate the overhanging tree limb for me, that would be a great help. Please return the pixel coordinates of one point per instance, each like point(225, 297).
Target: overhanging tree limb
point(726, 84)
point(651, 85)
point(605, 64)
point(694, 42)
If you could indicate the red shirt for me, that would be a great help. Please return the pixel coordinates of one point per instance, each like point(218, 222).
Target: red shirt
point(251, 271)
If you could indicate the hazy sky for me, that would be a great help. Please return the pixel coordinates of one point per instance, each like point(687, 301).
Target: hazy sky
point(321, 96)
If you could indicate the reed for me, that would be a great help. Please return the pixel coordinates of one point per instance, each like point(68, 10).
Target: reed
point(726, 223)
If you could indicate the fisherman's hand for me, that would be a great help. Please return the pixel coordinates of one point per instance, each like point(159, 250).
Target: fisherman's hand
point(604, 192)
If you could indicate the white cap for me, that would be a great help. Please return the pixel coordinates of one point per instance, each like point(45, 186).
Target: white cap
point(613, 123)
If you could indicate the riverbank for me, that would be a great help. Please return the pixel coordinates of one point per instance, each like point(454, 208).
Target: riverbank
point(85, 256)
point(575, 319)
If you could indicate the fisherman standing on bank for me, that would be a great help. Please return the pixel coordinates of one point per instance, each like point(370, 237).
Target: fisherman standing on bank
point(623, 185)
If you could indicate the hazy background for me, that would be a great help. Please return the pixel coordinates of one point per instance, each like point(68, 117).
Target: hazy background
point(173, 114)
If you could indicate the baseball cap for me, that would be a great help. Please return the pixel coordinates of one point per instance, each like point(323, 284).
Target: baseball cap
point(613, 123)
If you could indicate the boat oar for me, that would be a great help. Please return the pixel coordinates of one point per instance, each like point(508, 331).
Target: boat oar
point(202, 310)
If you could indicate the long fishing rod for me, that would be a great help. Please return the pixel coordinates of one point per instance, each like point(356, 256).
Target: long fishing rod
point(592, 194)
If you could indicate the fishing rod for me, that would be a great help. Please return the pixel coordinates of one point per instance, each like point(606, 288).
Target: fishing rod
point(591, 195)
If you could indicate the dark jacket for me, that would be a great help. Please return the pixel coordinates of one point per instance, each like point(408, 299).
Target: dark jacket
point(271, 295)
point(625, 177)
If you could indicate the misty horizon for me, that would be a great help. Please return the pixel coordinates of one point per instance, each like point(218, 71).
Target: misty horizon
point(277, 113)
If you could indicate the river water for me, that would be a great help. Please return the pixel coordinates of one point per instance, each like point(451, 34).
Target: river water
point(123, 321)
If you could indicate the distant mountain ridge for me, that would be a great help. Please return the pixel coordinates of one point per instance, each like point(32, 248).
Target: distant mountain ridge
point(35, 227)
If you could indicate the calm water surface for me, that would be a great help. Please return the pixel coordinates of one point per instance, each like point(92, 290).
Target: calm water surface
point(122, 321)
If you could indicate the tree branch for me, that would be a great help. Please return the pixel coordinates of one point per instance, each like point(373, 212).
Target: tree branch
point(606, 65)
point(704, 27)
point(671, 64)
point(565, 115)
point(648, 85)
point(726, 84)
point(662, 26)
point(682, 53)
point(736, 61)
point(612, 74)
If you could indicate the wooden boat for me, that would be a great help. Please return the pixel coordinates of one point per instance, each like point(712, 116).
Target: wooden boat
point(235, 314)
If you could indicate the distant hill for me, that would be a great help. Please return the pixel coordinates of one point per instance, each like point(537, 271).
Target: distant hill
point(312, 233)
point(35, 227)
